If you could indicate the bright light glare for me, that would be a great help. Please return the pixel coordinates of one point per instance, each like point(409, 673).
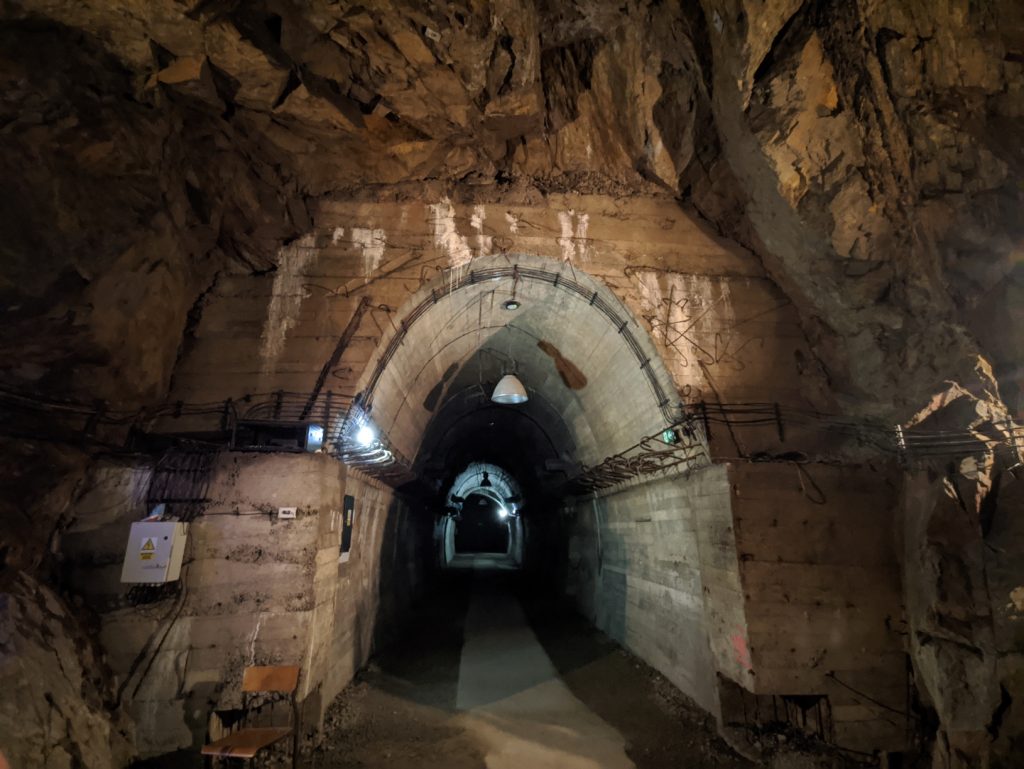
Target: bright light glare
point(502, 512)
point(366, 435)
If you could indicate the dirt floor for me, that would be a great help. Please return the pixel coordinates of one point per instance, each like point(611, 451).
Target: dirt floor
point(538, 687)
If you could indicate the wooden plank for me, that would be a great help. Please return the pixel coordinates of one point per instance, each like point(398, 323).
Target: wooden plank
point(280, 678)
point(246, 743)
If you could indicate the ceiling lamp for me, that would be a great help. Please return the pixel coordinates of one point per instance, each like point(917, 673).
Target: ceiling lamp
point(510, 391)
point(486, 481)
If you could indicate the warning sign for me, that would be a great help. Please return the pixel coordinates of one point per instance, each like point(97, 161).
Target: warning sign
point(148, 549)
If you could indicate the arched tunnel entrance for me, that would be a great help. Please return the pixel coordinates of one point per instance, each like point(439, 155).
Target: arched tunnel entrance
point(482, 515)
point(593, 383)
point(497, 479)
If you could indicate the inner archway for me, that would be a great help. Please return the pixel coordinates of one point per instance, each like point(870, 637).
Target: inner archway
point(595, 384)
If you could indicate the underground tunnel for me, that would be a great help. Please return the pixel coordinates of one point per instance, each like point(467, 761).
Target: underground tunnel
point(511, 384)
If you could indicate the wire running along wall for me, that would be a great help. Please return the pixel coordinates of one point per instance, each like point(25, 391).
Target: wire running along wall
point(26, 414)
point(340, 414)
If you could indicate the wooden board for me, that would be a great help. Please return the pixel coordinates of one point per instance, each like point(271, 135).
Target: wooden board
point(246, 743)
point(281, 678)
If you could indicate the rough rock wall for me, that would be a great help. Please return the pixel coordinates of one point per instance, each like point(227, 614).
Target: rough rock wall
point(962, 589)
point(867, 144)
point(1004, 548)
point(56, 709)
point(867, 151)
point(872, 143)
point(117, 213)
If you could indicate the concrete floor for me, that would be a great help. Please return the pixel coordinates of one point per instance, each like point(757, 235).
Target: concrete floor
point(514, 702)
point(490, 674)
point(483, 562)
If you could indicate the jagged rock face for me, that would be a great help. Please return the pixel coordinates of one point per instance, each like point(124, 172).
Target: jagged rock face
point(863, 149)
point(869, 152)
point(871, 140)
point(116, 215)
point(54, 685)
point(55, 710)
point(399, 91)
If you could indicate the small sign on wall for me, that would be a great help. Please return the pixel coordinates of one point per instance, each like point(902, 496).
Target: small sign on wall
point(348, 513)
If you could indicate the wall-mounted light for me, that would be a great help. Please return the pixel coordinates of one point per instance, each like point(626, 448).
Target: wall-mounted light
point(502, 513)
point(512, 304)
point(366, 435)
point(510, 391)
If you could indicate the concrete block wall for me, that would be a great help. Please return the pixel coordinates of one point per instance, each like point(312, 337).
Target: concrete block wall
point(781, 579)
point(635, 571)
point(823, 596)
point(360, 600)
point(724, 604)
point(255, 589)
point(803, 594)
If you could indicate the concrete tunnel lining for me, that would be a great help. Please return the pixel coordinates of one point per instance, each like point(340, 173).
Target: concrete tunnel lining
point(500, 486)
point(552, 331)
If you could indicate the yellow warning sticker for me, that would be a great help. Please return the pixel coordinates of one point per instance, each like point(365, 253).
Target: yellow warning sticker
point(148, 550)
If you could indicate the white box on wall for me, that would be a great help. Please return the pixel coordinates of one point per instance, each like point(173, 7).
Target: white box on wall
point(155, 552)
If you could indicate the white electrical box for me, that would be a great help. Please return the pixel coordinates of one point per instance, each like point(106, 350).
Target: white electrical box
point(155, 550)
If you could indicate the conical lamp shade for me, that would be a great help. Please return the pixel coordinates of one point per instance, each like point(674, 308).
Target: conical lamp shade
point(509, 391)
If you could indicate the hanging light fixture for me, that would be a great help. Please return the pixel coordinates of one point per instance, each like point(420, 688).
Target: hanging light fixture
point(510, 391)
point(486, 480)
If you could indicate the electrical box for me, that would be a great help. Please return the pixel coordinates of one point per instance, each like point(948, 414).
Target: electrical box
point(155, 550)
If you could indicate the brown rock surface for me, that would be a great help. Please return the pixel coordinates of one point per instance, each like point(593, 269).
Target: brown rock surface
point(869, 152)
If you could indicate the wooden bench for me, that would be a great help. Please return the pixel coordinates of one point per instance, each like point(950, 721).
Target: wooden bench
point(247, 741)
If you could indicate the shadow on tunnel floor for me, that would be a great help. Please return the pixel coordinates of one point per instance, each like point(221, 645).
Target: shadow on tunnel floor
point(419, 660)
point(663, 728)
point(399, 710)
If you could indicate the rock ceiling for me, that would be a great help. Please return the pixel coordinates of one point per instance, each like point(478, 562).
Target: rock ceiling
point(869, 152)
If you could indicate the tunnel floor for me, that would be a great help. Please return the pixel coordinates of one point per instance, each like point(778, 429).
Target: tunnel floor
point(492, 674)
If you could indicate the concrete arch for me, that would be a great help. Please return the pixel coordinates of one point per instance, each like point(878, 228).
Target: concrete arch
point(576, 347)
point(488, 480)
